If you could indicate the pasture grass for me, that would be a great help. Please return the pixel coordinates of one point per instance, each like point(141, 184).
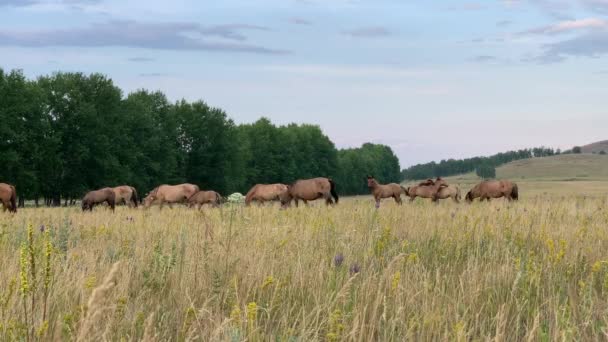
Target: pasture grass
point(534, 270)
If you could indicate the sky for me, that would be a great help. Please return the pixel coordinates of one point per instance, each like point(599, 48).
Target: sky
point(433, 79)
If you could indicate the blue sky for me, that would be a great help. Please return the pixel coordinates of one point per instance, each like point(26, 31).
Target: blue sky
point(432, 79)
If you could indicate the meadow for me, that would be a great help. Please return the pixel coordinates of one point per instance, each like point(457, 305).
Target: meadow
point(535, 270)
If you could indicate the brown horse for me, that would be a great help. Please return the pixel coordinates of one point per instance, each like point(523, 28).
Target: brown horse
point(93, 198)
point(493, 189)
point(426, 189)
point(310, 190)
point(125, 194)
point(451, 191)
point(265, 192)
point(170, 194)
point(205, 197)
point(8, 197)
point(380, 191)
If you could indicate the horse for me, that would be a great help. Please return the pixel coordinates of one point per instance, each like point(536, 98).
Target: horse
point(125, 194)
point(380, 191)
point(95, 197)
point(205, 197)
point(8, 197)
point(310, 190)
point(265, 192)
point(426, 189)
point(451, 191)
point(170, 194)
point(493, 189)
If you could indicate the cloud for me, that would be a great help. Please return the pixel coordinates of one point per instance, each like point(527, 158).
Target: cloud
point(484, 59)
point(25, 3)
point(163, 36)
point(504, 23)
point(300, 21)
point(468, 6)
point(141, 59)
point(600, 6)
point(16, 3)
point(152, 74)
point(592, 44)
point(569, 26)
point(368, 32)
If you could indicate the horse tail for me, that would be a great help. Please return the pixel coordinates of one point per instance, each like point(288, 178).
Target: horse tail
point(405, 190)
point(334, 194)
point(515, 192)
point(218, 198)
point(134, 197)
point(14, 199)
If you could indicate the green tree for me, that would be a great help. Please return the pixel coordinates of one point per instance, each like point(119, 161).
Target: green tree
point(485, 171)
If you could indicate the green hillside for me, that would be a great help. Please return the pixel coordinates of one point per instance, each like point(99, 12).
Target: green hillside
point(596, 147)
point(566, 167)
point(584, 174)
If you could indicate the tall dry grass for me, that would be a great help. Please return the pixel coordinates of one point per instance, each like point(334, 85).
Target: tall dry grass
point(534, 270)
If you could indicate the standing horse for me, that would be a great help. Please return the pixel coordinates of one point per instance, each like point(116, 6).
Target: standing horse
point(310, 190)
point(125, 194)
point(8, 197)
point(451, 191)
point(170, 194)
point(380, 191)
point(265, 192)
point(93, 198)
point(205, 197)
point(493, 189)
point(426, 189)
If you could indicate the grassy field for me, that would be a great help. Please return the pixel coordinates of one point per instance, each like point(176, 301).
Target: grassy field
point(533, 270)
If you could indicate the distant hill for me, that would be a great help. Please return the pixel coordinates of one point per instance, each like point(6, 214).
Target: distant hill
point(565, 167)
point(596, 147)
point(561, 167)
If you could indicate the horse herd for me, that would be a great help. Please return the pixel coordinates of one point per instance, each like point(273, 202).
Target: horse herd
point(304, 190)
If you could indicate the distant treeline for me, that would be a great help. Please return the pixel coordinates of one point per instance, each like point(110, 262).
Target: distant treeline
point(452, 167)
point(64, 134)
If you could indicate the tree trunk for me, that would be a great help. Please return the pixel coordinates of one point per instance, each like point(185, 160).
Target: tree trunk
point(36, 201)
point(21, 202)
point(57, 201)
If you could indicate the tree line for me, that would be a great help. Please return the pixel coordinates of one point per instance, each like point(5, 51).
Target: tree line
point(67, 133)
point(483, 166)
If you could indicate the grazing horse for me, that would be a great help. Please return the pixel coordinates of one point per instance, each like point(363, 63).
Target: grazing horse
point(493, 189)
point(265, 193)
point(426, 189)
point(450, 191)
point(205, 197)
point(380, 191)
point(8, 197)
point(93, 198)
point(170, 194)
point(125, 194)
point(310, 190)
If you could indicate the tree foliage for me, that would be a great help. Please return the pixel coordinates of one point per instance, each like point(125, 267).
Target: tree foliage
point(67, 133)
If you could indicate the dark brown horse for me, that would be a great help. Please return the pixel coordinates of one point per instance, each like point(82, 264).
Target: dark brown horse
point(310, 190)
point(380, 191)
point(170, 194)
point(8, 197)
point(494, 189)
point(426, 189)
point(265, 192)
point(93, 198)
point(205, 197)
point(125, 194)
